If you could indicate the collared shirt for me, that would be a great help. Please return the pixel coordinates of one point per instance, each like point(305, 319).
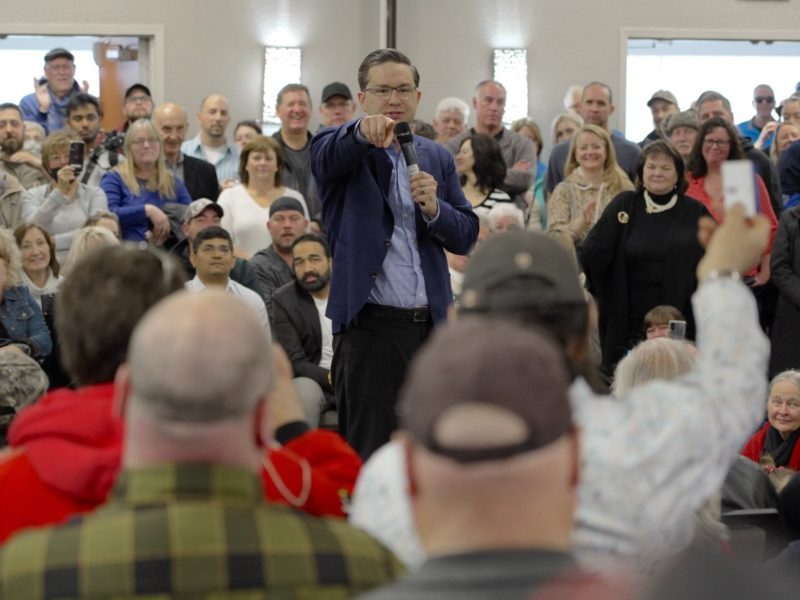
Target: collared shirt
point(246, 294)
point(177, 168)
point(54, 118)
point(193, 531)
point(400, 281)
point(227, 166)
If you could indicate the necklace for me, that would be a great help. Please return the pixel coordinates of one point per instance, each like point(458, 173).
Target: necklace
point(654, 207)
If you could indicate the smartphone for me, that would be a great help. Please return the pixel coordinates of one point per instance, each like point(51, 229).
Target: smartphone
point(76, 150)
point(677, 330)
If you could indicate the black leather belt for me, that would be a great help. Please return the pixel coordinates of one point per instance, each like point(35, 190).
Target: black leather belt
point(420, 314)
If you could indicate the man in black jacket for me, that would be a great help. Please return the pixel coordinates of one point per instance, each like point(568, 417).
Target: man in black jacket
point(298, 316)
point(199, 176)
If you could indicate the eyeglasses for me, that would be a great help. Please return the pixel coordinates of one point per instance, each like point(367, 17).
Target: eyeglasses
point(717, 143)
point(383, 92)
point(137, 99)
point(148, 141)
point(762, 99)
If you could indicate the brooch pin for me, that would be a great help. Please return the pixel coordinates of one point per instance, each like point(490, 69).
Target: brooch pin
point(622, 217)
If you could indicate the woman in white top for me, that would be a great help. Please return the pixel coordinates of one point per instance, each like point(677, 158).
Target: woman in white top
point(247, 205)
point(40, 269)
point(62, 206)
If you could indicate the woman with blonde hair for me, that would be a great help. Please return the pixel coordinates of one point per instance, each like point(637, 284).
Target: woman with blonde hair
point(87, 240)
point(22, 326)
point(564, 126)
point(140, 189)
point(592, 179)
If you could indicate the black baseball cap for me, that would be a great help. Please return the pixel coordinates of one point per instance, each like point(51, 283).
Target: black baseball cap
point(336, 89)
point(140, 87)
point(286, 203)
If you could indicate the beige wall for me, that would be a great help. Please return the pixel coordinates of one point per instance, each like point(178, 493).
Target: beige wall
point(217, 46)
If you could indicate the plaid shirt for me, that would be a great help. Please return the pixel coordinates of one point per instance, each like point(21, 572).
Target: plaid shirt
point(193, 531)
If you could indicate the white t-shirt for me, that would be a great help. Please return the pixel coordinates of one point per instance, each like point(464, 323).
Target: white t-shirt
point(246, 221)
point(327, 333)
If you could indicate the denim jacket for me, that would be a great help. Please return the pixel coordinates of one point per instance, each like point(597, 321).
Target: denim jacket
point(23, 320)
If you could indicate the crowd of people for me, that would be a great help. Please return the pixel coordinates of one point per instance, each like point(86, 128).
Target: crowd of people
point(217, 351)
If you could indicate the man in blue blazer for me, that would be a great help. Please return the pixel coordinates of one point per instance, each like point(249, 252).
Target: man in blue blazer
point(388, 231)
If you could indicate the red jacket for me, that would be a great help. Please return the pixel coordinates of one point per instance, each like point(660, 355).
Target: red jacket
point(65, 453)
point(755, 446)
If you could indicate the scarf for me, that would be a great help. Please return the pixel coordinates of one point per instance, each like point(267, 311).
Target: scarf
point(50, 286)
point(779, 449)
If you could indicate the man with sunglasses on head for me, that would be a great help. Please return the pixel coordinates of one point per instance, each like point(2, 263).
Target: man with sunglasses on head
point(387, 229)
point(764, 103)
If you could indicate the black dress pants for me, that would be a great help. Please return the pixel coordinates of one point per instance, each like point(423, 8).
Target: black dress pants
point(370, 358)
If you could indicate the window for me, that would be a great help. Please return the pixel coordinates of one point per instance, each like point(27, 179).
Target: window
point(511, 69)
point(281, 66)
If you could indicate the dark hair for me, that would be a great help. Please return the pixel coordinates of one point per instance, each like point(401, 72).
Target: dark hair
point(265, 144)
point(22, 230)
point(292, 87)
point(665, 149)
point(314, 237)
point(101, 301)
point(248, 123)
point(565, 322)
point(11, 106)
point(697, 164)
point(381, 57)
point(490, 168)
point(215, 232)
point(423, 129)
point(77, 101)
point(662, 314)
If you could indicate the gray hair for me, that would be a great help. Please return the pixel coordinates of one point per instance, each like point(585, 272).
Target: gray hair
point(220, 360)
point(87, 239)
point(659, 358)
point(712, 96)
point(450, 104)
point(788, 375)
point(571, 91)
point(505, 209)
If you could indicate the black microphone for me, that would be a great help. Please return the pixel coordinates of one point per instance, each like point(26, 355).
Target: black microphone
point(402, 132)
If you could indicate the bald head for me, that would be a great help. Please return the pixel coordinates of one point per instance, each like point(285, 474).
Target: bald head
point(171, 124)
point(213, 119)
point(219, 360)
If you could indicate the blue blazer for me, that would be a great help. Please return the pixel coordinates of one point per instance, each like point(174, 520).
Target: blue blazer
point(353, 179)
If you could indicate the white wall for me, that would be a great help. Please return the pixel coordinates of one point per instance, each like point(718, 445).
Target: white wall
point(217, 46)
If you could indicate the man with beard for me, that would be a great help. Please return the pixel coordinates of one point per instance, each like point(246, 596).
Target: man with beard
point(138, 104)
point(273, 264)
point(299, 323)
point(22, 165)
point(84, 117)
point(199, 176)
